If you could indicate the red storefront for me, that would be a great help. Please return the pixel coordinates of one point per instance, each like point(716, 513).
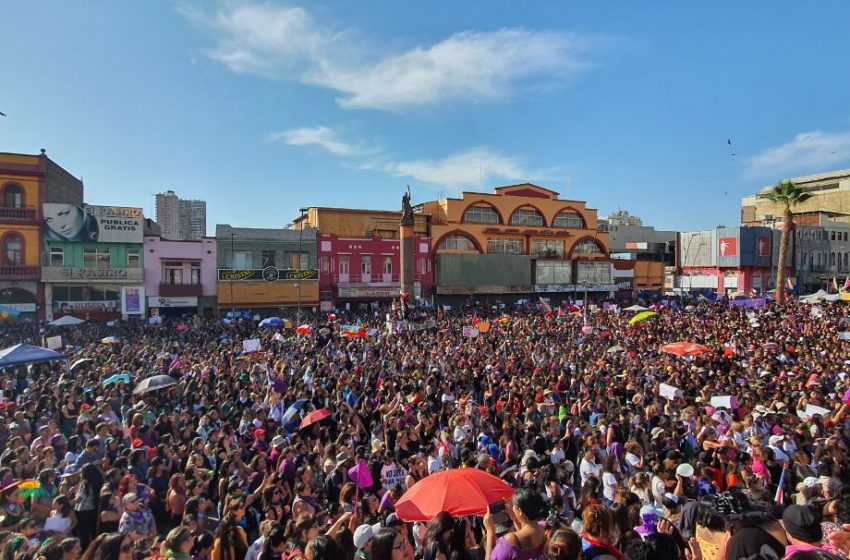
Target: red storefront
point(361, 270)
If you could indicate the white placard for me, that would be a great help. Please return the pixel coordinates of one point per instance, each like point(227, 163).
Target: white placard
point(470, 331)
point(54, 343)
point(844, 335)
point(811, 410)
point(251, 345)
point(669, 392)
point(725, 401)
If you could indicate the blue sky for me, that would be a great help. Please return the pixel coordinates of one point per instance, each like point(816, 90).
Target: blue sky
point(263, 107)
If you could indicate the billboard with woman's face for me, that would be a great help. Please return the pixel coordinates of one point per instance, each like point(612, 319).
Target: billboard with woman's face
point(105, 224)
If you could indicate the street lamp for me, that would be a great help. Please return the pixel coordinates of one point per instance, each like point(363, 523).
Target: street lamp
point(300, 265)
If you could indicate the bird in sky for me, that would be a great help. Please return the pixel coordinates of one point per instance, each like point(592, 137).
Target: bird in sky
point(729, 141)
point(2, 114)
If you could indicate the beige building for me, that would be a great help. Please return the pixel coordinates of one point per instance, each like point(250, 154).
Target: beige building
point(831, 195)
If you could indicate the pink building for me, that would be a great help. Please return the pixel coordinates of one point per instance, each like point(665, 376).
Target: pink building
point(362, 270)
point(180, 276)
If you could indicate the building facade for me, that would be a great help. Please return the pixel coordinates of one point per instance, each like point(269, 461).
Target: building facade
point(519, 242)
point(639, 253)
point(181, 219)
point(730, 260)
point(359, 258)
point(822, 253)
point(181, 277)
point(27, 182)
point(93, 261)
point(266, 269)
point(830, 193)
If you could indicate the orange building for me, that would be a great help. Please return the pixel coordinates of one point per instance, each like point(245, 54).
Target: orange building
point(26, 182)
point(534, 241)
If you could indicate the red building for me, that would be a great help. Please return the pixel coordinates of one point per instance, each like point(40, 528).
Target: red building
point(359, 258)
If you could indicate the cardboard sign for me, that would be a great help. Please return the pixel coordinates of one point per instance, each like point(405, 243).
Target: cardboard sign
point(725, 401)
point(251, 345)
point(811, 410)
point(54, 343)
point(669, 392)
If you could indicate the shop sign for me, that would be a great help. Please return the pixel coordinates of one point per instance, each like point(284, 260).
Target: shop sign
point(94, 273)
point(64, 307)
point(371, 291)
point(269, 274)
point(21, 307)
point(158, 301)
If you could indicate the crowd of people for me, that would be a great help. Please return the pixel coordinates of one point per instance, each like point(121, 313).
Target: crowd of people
point(616, 449)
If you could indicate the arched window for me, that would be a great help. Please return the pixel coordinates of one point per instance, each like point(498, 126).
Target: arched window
point(568, 219)
point(13, 196)
point(457, 243)
point(481, 214)
point(526, 217)
point(13, 249)
point(588, 246)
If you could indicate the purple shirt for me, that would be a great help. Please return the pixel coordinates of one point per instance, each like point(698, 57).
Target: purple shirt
point(505, 551)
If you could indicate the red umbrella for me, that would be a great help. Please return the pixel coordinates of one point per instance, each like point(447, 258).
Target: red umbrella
point(315, 416)
point(459, 492)
point(685, 349)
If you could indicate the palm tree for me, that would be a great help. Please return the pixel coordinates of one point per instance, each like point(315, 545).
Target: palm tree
point(788, 195)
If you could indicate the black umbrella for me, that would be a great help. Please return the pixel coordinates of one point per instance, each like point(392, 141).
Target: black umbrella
point(154, 383)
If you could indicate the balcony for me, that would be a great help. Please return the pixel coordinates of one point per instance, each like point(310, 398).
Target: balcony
point(19, 272)
point(11, 214)
point(180, 290)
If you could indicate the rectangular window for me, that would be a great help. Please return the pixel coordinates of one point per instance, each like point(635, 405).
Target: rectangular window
point(504, 246)
point(96, 258)
point(241, 260)
point(423, 265)
point(593, 272)
point(326, 265)
point(267, 258)
point(196, 273)
point(344, 261)
point(548, 249)
point(553, 272)
point(299, 261)
point(366, 265)
point(57, 256)
point(134, 258)
point(173, 275)
point(388, 265)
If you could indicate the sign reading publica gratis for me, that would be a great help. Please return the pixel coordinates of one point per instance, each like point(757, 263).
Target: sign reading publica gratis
point(264, 274)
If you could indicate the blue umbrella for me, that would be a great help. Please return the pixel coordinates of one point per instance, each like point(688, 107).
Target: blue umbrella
point(270, 322)
point(293, 410)
point(115, 378)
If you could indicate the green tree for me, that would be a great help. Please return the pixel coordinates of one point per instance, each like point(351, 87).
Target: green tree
point(788, 195)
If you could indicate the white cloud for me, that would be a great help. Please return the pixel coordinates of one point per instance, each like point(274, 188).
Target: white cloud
point(462, 170)
point(285, 42)
point(320, 136)
point(806, 152)
point(472, 66)
point(261, 38)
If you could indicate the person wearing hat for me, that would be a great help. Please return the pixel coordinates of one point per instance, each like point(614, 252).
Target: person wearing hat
point(363, 536)
point(260, 440)
point(803, 529)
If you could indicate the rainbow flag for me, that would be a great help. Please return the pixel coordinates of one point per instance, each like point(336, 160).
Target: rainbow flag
point(546, 307)
point(8, 314)
point(27, 488)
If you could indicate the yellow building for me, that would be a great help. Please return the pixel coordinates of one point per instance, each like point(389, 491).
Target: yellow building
point(26, 182)
point(536, 242)
point(830, 194)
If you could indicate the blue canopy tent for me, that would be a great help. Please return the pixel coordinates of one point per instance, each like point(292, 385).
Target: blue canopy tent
point(22, 354)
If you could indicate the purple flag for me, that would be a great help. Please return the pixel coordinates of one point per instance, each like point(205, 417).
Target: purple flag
point(360, 475)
